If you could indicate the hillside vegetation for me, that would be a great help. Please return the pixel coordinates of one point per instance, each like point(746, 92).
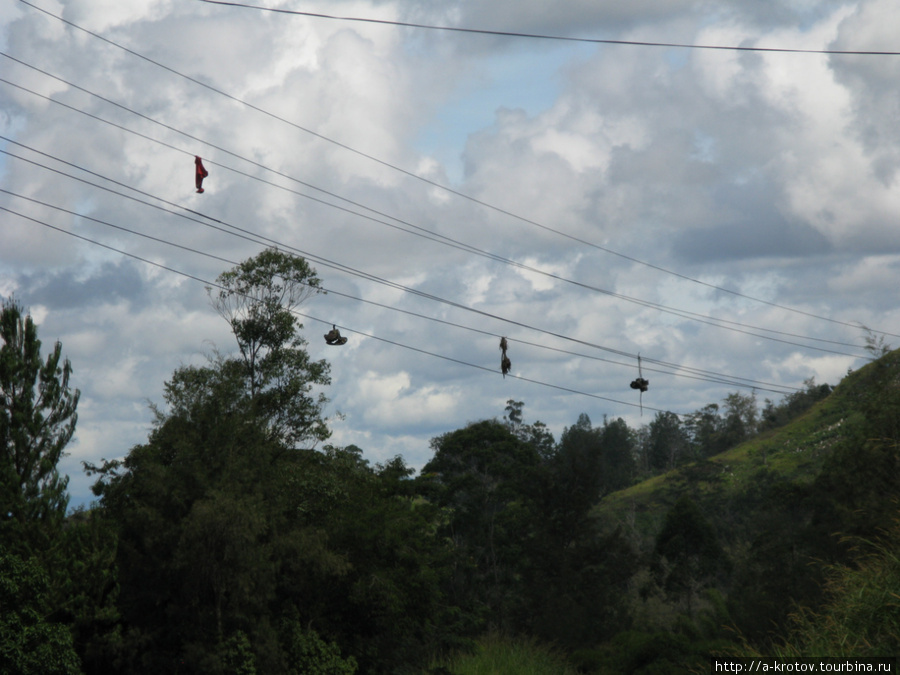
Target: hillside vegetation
point(236, 540)
point(794, 452)
point(789, 544)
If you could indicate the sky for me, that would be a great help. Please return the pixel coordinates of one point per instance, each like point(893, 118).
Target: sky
point(731, 216)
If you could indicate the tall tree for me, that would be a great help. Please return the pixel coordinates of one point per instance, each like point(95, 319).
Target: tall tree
point(618, 446)
point(704, 428)
point(741, 419)
point(258, 298)
point(239, 551)
point(666, 442)
point(37, 420)
point(575, 480)
point(687, 553)
point(479, 475)
point(572, 574)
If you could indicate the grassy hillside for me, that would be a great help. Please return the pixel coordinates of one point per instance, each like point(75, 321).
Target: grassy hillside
point(786, 509)
point(793, 453)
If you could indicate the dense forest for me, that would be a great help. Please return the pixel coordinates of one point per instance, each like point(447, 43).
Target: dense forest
point(237, 540)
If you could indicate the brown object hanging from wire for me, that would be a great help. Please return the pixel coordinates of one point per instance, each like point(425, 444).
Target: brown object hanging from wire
point(641, 384)
point(505, 363)
point(333, 337)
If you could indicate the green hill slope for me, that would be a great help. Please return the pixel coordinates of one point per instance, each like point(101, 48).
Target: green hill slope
point(794, 453)
point(784, 508)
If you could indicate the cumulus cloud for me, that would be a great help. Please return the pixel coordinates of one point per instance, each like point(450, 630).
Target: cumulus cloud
point(676, 201)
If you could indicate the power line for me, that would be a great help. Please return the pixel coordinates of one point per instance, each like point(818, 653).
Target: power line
point(425, 352)
point(541, 36)
point(421, 232)
point(346, 269)
point(449, 189)
point(698, 374)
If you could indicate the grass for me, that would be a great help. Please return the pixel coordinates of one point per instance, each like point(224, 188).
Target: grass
point(862, 617)
point(499, 655)
point(794, 452)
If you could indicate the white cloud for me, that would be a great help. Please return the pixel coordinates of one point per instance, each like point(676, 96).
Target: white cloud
point(769, 174)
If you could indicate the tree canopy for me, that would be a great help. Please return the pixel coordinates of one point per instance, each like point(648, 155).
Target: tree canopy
point(37, 420)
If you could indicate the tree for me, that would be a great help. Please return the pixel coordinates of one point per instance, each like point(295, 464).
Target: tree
point(793, 405)
point(704, 429)
point(687, 552)
point(37, 420)
point(666, 443)
point(617, 444)
point(29, 644)
point(572, 575)
point(258, 298)
point(741, 419)
point(480, 474)
point(536, 434)
point(240, 552)
point(574, 481)
point(390, 610)
point(875, 344)
point(207, 509)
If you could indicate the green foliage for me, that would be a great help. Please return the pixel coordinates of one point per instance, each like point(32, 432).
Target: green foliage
point(741, 419)
point(687, 552)
point(704, 428)
point(649, 653)
point(498, 655)
point(391, 609)
point(308, 654)
point(478, 475)
point(793, 405)
point(779, 561)
point(575, 596)
point(29, 644)
point(83, 586)
point(526, 547)
point(258, 298)
point(618, 446)
point(238, 552)
point(875, 343)
point(237, 656)
point(221, 547)
point(667, 442)
point(209, 524)
point(862, 614)
point(535, 434)
point(37, 420)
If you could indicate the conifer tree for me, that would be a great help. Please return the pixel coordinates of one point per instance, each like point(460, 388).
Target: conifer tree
point(37, 420)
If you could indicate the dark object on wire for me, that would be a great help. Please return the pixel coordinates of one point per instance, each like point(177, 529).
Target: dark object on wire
point(333, 337)
point(641, 384)
point(200, 173)
point(505, 363)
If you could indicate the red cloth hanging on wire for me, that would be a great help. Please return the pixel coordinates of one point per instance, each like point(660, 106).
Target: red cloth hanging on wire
point(200, 174)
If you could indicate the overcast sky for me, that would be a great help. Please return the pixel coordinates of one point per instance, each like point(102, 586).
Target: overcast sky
point(732, 211)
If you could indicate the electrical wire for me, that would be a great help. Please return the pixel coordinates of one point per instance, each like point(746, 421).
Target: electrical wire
point(419, 231)
point(540, 36)
point(708, 376)
point(540, 270)
point(251, 236)
point(211, 284)
point(444, 187)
